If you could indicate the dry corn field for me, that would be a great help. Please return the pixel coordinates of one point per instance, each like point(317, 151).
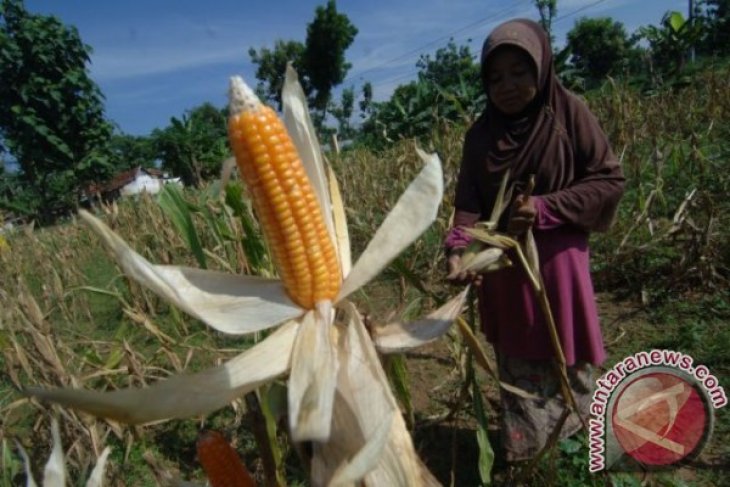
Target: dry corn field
point(69, 316)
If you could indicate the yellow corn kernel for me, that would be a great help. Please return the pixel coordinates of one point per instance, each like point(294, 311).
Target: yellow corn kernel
point(284, 200)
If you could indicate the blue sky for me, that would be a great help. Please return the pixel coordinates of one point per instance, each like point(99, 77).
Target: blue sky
point(155, 59)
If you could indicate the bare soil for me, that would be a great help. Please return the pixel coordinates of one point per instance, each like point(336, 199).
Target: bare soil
point(444, 430)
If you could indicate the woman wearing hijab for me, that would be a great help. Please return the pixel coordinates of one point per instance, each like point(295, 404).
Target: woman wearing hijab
point(533, 126)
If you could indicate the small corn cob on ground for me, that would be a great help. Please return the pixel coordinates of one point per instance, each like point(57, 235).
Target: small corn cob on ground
point(220, 462)
point(290, 215)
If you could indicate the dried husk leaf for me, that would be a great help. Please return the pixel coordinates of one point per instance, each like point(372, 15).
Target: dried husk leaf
point(54, 473)
point(413, 213)
point(351, 472)
point(299, 125)
point(340, 222)
point(183, 396)
point(229, 303)
point(96, 479)
point(313, 377)
point(364, 402)
point(488, 259)
point(489, 237)
point(532, 257)
point(482, 359)
point(29, 482)
point(500, 202)
point(397, 337)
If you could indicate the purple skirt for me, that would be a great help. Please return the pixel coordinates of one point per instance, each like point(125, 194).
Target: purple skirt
point(510, 313)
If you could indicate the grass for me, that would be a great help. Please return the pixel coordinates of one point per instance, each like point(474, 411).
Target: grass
point(67, 315)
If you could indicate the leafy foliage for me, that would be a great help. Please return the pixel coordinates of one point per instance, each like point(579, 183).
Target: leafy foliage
point(51, 112)
point(343, 113)
point(320, 61)
point(129, 151)
point(194, 146)
point(717, 26)
point(670, 43)
point(599, 47)
point(328, 37)
point(547, 10)
point(272, 66)
point(448, 89)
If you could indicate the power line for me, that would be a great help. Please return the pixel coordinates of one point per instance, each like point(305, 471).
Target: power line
point(475, 56)
point(577, 11)
point(435, 41)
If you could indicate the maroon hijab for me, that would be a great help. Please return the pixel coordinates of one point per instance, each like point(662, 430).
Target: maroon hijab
point(556, 139)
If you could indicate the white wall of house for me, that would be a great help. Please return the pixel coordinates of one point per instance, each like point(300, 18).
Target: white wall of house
point(146, 183)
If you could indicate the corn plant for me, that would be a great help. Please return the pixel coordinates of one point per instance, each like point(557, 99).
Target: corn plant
point(337, 394)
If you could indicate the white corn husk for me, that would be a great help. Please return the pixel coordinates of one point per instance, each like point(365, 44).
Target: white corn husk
point(54, 473)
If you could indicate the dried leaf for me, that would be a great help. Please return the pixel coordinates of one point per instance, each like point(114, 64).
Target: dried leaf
point(96, 479)
point(340, 223)
point(397, 337)
point(183, 396)
point(412, 215)
point(486, 260)
point(29, 482)
point(313, 377)
point(363, 403)
point(531, 255)
point(364, 460)
point(54, 473)
point(481, 357)
point(299, 125)
point(232, 304)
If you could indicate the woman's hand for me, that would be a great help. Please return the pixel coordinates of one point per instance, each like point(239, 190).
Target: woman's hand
point(522, 215)
point(464, 277)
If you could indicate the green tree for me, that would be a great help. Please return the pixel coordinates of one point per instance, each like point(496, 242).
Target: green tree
point(272, 66)
point(717, 17)
point(13, 197)
point(194, 146)
point(129, 151)
point(448, 88)
point(547, 9)
point(599, 47)
point(342, 112)
point(450, 66)
point(366, 103)
point(51, 112)
point(670, 44)
point(328, 37)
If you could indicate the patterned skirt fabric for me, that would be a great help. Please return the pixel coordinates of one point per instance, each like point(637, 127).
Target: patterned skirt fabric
point(526, 424)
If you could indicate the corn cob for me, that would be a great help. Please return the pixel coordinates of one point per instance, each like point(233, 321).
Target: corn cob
point(221, 463)
point(287, 208)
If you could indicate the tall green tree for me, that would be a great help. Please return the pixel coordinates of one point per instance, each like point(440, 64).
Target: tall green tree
point(194, 146)
point(547, 9)
point(366, 102)
point(450, 66)
point(342, 112)
point(129, 151)
point(670, 43)
point(51, 112)
point(448, 88)
point(271, 66)
point(599, 47)
point(717, 16)
point(328, 37)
